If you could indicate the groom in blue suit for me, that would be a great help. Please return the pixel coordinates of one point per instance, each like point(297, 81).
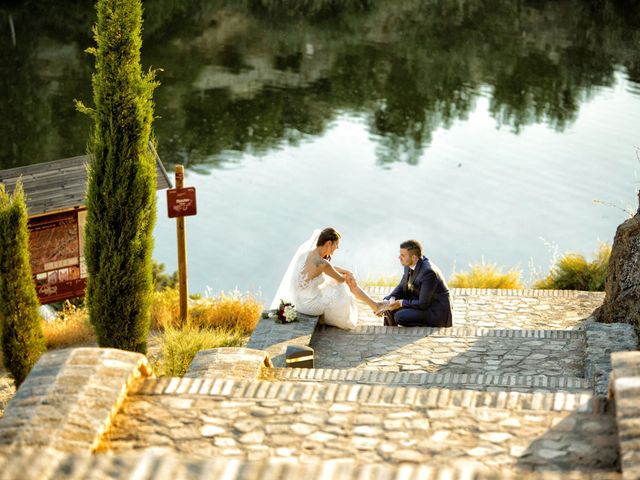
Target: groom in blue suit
point(422, 297)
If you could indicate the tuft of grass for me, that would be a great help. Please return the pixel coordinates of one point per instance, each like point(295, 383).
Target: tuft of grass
point(381, 281)
point(486, 275)
point(180, 345)
point(574, 272)
point(231, 311)
point(165, 309)
point(70, 327)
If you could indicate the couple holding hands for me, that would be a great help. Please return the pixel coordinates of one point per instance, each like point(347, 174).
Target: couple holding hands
point(318, 288)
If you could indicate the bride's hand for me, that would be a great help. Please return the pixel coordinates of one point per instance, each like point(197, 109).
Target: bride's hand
point(348, 274)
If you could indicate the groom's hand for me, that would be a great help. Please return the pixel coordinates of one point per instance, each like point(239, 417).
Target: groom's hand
point(396, 305)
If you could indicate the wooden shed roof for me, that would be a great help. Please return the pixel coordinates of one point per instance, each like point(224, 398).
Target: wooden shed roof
point(60, 184)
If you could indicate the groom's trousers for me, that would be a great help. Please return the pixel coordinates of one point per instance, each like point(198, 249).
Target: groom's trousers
point(409, 317)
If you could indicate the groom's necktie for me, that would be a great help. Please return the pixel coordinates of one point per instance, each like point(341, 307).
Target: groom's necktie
point(409, 278)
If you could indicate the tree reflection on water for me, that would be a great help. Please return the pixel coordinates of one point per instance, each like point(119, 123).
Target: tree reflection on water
point(250, 77)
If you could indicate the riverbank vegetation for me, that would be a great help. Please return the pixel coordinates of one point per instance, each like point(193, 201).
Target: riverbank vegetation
point(223, 320)
point(292, 76)
point(574, 272)
point(486, 275)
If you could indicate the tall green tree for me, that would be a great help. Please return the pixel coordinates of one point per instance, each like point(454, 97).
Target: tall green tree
point(122, 180)
point(22, 335)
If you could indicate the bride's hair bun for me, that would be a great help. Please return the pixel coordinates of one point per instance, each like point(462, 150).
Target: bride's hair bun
point(329, 234)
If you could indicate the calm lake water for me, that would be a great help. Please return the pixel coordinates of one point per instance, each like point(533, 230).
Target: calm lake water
point(506, 134)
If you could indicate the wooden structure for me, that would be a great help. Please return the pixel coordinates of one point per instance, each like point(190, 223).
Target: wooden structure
point(55, 193)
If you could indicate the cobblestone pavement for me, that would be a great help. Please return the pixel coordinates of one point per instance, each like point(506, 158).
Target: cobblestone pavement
point(517, 309)
point(250, 429)
point(560, 355)
point(7, 390)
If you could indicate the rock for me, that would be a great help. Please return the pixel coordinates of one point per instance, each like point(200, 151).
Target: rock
point(402, 456)
point(495, 437)
point(548, 454)
point(211, 430)
point(303, 428)
point(622, 287)
point(252, 437)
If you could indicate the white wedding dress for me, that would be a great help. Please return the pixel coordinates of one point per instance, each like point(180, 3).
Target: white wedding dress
point(321, 295)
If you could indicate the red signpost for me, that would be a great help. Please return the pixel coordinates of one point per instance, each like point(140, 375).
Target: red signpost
point(181, 202)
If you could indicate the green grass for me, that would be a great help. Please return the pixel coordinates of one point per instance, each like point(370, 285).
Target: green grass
point(486, 275)
point(574, 272)
point(180, 345)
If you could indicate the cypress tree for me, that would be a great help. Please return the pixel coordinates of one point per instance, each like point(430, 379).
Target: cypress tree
point(22, 335)
point(122, 180)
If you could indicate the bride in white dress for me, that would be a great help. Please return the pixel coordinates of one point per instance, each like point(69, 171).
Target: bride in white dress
point(316, 287)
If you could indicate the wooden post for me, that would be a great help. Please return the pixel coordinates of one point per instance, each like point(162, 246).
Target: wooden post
point(182, 253)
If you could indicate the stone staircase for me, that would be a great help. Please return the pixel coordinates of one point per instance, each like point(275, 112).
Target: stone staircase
point(518, 388)
point(502, 397)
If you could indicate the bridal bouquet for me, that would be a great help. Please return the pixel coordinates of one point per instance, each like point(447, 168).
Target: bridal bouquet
point(286, 312)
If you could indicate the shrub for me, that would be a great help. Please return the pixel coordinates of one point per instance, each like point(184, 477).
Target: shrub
point(162, 280)
point(122, 180)
point(485, 275)
point(231, 311)
point(180, 345)
point(574, 272)
point(70, 327)
point(21, 325)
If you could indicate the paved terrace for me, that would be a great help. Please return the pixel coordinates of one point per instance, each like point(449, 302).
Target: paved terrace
point(518, 388)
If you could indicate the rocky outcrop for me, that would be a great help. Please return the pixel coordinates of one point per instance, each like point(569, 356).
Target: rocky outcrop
point(622, 288)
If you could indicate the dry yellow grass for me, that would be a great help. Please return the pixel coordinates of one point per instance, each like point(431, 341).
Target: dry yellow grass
point(230, 311)
point(165, 309)
point(486, 275)
point(70, 328)
point(382, 281)
point(574, 272)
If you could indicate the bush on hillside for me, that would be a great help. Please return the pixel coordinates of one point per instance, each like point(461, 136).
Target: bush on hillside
point(574, 272)
point(486, 275)
point(162, 280)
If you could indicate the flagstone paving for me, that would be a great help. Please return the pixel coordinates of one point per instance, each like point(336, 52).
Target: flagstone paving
point(517, 388)
point(514, 309)
point(312, 422)
point(551, 353)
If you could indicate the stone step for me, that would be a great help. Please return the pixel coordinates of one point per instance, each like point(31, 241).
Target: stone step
point(552, 353)
point(520, 309)
point(473, 381)
point(236, 389)
point(307, 422)
point(153, 465)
